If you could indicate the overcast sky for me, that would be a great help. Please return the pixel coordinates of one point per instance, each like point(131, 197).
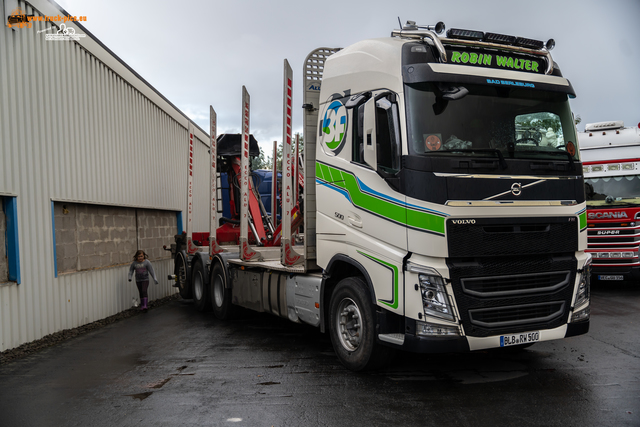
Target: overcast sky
point(200, 52)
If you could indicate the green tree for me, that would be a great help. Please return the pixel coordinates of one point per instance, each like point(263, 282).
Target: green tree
point(269, 160)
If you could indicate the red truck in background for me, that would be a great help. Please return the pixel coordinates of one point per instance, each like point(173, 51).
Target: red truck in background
point(610, 154)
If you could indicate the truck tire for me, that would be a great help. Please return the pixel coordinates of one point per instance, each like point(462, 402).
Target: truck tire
point(200, 287)
point(352, 327)
point(182, 270)
point(220, 295)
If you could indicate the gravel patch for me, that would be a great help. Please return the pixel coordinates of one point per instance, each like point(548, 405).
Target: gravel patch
point(50, 340)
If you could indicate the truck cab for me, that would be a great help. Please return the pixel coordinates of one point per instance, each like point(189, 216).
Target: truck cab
point(449, 182)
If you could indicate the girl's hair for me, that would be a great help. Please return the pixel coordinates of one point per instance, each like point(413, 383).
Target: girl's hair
point(140, 252)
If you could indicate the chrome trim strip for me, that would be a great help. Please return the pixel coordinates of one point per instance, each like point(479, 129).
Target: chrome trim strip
point(516, 203)
point(456, 175)
point(511, 191)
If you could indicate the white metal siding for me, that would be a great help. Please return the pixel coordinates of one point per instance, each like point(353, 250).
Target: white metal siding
point(77, 125)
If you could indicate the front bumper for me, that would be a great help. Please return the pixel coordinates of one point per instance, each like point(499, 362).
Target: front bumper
point(464, 344)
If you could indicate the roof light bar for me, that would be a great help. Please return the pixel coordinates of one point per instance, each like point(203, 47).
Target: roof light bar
point(530, 43)
point(456, 33)
point(499, 38)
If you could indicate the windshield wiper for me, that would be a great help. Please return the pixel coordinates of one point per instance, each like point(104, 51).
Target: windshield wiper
point(503, 163)
point(563, 153)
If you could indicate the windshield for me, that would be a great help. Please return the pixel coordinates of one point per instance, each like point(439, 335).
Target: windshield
point(616, 191)
point(481, 120)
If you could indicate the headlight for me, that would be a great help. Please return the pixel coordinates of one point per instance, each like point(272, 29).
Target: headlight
point(434, 296)
point(583, 292)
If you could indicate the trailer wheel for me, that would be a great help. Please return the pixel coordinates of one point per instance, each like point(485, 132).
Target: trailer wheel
point(200, 287)
point(183, 274)
point(220, 295)
point(352, 327)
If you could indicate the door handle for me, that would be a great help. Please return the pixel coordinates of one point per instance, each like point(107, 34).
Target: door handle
point(355, 220)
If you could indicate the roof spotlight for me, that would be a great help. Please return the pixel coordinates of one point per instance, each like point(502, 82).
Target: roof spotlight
point(551, 43)
point(438, 28)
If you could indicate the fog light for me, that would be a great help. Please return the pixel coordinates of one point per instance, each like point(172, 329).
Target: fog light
point(433, 330)
point(581, 316)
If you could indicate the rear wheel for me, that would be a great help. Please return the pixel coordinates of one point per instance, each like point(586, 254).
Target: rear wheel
point(200, 287)
point(352, 327)
point(223, 309)
point(183, 274)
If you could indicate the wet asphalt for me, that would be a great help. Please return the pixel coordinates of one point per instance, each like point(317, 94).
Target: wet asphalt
point(175, 366)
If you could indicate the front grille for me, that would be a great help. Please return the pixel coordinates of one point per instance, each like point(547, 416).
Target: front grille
point(517, 315)
point(519, 284)
point(512, 294)
point(511, 236)
point(614, 245)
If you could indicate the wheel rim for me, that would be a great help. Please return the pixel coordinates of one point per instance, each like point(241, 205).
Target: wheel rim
point(349, 324)
point(218, 290)
point(182, 274)
point(198, 287)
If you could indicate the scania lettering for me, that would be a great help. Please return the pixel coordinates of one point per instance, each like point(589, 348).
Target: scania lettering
point(441, 211)
point(611, 164)
point(610, 215)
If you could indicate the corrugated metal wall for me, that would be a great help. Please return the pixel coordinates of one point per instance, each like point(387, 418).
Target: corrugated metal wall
point(77, 125)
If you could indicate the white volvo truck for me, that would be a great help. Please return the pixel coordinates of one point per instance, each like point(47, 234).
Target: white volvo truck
point(442, 218)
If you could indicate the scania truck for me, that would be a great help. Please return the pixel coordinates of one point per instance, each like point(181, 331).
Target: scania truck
point(611, 164)
point(448, 212)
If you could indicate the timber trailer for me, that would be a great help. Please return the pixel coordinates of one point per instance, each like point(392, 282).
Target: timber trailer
point(436, 216)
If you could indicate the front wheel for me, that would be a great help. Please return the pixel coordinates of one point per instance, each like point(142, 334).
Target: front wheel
point(352, 327)
point(200, 287)
point(223, 309)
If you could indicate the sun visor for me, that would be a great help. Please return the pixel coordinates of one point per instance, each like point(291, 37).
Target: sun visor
point(460, 74)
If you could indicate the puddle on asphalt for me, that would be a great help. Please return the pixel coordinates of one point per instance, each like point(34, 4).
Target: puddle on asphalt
point(158, 384)
point(140, 396)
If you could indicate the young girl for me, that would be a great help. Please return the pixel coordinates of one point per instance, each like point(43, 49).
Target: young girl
point(142, 266)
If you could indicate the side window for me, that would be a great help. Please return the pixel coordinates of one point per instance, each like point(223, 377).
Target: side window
point(356, 106)
point(358, 134)
point(9, 245)
point(387, 134)
point(387, 131)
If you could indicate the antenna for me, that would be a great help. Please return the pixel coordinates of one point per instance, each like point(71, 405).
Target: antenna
point(399, 22)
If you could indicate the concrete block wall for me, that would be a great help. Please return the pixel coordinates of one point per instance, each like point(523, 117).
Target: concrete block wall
point(4, 263)
point(106, 235)
point(94, 236)
point(155, 229)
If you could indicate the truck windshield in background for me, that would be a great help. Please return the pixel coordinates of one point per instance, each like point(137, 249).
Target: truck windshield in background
point(613, 191)
point(518, 123)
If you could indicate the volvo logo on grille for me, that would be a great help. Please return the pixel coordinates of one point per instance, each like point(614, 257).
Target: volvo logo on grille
point(463, 221)
point(516, 189)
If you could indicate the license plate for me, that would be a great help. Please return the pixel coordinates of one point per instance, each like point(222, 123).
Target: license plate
point(517, 339)
point(610, 277)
